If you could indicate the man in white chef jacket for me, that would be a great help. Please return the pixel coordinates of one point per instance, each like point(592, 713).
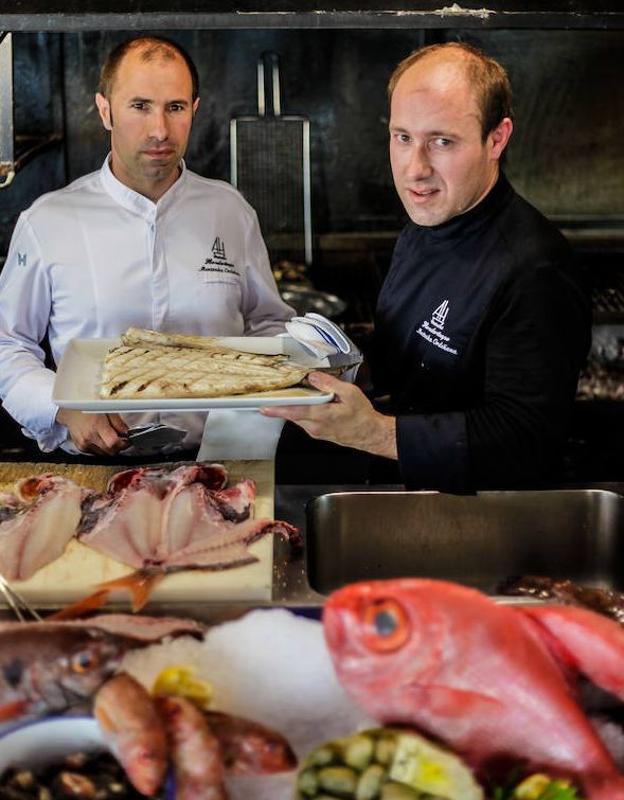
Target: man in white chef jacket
point(143, 241)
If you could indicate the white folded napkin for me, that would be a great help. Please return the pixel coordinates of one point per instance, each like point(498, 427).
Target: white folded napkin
point(326, 341)
point(242, 434)
point(239, 434)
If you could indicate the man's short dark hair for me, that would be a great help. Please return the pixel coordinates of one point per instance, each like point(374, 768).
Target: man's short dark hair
point(488, 77)
point(151, 47)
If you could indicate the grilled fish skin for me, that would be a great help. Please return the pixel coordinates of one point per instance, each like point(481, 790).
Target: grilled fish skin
point(145, 336)
point(157, 372)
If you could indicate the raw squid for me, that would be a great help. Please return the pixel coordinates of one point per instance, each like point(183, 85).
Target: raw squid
point(166, 519)
point(37, 520)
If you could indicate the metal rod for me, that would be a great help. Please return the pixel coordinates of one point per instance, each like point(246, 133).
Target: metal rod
point(275, 82)
point(261, 99)
point(20, 607)
point(7, 154)
point(307, 201)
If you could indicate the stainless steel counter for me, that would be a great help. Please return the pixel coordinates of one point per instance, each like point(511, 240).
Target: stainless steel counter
point(572, 532)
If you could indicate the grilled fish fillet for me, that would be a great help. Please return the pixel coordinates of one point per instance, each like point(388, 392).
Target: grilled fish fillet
point(144, 336)
point(162, 372)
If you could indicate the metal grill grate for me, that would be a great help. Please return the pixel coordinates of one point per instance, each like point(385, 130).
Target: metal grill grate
point(270, 165)
point(269, 156)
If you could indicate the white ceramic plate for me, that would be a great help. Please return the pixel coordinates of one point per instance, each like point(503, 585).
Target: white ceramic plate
point(79, 373)
point(36, 744)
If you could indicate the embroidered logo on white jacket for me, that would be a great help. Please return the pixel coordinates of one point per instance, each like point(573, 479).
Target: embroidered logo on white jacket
point(218, 261)
point(433, 329)
point(218, 248)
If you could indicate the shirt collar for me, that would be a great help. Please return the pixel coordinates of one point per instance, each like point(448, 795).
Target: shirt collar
point(470, 221)
point(135, 202)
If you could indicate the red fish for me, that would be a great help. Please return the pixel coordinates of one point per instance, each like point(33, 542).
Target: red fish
point(133, 731)
point(493, 682)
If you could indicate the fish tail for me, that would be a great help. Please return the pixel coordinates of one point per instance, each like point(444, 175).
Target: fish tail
point(81, 607)
point(139, 584)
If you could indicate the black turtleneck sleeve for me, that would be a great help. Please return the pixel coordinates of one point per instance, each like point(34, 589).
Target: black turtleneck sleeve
point(482, 327)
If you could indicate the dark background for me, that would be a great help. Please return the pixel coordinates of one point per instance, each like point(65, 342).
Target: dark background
point(566, 155)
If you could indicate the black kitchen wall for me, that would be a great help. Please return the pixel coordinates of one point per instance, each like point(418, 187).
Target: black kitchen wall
point(566, 156)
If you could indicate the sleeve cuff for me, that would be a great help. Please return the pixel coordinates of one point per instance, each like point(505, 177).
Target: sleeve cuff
point(30, 403)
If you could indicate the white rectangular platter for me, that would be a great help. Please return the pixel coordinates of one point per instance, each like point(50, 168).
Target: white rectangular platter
point(79, 374)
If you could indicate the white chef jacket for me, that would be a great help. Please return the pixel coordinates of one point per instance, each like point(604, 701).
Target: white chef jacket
point(94, 258)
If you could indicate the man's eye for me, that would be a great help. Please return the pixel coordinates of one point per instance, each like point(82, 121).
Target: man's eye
point(139, 106)
point(442, 142)
point(402, 138)
point(176, 107)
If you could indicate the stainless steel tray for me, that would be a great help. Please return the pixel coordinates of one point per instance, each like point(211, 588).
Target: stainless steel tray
point(478, 540)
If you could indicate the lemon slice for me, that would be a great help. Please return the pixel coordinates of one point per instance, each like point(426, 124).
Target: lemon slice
point(183, 682)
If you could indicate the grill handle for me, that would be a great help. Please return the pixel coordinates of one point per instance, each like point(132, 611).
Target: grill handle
point(269, 63)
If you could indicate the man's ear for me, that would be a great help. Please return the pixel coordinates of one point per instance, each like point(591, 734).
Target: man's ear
point(499, 138)
point(195, 105)
point(103, 107)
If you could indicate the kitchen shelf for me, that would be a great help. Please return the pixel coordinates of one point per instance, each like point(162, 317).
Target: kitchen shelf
point(43, 15)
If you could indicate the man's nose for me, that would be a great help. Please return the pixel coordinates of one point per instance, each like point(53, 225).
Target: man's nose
point(158, 126)
point(419, 165)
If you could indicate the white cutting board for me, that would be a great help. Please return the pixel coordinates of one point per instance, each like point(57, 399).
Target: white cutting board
point(78, 571)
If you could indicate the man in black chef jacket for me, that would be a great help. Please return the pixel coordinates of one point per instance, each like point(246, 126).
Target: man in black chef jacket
point(483, 323)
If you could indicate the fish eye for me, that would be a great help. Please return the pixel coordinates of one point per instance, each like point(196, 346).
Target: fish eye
point(386, 625)
point(83, 662)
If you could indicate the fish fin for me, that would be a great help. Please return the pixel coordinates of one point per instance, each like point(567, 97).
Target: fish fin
point(139, 584)
point(446, 701)
point(582, 641)
point(81, 607)
point(12, 710)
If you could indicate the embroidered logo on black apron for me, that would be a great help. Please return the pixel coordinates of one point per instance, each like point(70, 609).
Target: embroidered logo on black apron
point(433, 329)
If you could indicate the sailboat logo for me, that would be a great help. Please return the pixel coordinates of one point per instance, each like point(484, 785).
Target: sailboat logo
point(438, 318)
point(218, 248)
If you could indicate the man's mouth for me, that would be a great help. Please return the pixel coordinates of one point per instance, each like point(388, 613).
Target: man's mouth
point(421, 195)
point(158, 152)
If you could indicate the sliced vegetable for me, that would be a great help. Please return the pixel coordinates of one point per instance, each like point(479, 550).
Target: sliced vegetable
point(385, 764)
point(182, 681)
point(542, 787)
